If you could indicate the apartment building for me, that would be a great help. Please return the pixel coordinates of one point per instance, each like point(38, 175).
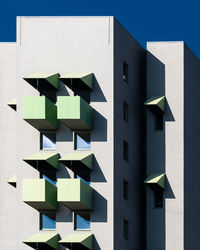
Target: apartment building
point(99, 138)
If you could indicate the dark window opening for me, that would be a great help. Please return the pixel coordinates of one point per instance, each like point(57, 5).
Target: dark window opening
point(125, 229)
point(125, 111)
point(159, 122)
point(125, 189)
point(47, 221)
point(50, 94)
point(81, 221)
point(125, 72)
point(84, 93)
point(126, 151)
point(84, 176)
point(158, 199)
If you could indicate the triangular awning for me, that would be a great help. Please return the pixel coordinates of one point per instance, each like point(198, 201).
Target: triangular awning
point(156, 180)
point(39, 240)
point(78, 161)
point(78, 80)
point(43, 80)
point(13, 103)
point(13, 181)
point(43, 160)
point(156, 104)
point(82, 240)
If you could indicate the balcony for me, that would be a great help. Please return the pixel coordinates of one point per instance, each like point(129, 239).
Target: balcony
point(78, 81)
point(40, 81)
point(75, 194)
point(156, 181)
point(40, 112)
point(156, 104)
point(78, 241)
point(40, 194)
point(74, 112)
point(78, 161)
point(43, 241)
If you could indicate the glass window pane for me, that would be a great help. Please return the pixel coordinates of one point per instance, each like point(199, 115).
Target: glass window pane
point(46, 222)
point(81, 223)
point(125, 72)
point(82, 141)
point(48, 141)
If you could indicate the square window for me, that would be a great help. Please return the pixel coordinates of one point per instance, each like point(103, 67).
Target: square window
point(125, 189)
point(47, 141)
point(82, 141)
point(159, 122)
point(81, 221)
point(125, 72)
point(125, 229)
point(126, 151)
point(125, 111)
point(158, 198)
point(47, 221)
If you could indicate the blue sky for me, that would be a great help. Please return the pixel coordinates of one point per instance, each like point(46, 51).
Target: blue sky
point(153, 20)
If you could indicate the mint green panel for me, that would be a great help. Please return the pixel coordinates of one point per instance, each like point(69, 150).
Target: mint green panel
point(78, 80)
point(45, 160)
point(156, 104)
point(43, 80)
point(156, 180)
point(75, 112)
point(40, 112)
point(78, 240)
point(75, 194)
point(40, 194)
point(40, 240)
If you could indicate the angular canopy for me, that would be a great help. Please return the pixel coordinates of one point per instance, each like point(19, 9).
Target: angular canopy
point(156, 181)
point(13, 104)
point(79, 240)
point(43, 80)
point(13, 181)
point(156, 104)
point(78, 81)
point(80, 161)
point(43, 240)
point(43, 160)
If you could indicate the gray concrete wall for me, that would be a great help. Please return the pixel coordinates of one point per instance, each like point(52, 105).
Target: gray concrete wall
point(8, 164)
point(165, 149)
point(65, 45)
point(191, 150)
point(128, 50)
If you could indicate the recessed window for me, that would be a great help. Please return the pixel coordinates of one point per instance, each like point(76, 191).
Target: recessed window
point(158, 199)
point(81, 221)
point(84, 176)
point(125, 229)
point(125, 72)
point(125, 151)
point(51, 179)
point(47, 141)
point(82, 141)
point(159, 122)
point(125, 111)
point(47, 221)
point(125, 189)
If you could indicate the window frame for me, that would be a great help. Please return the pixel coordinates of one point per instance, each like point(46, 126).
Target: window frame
point(44, 133)
point(75, 140)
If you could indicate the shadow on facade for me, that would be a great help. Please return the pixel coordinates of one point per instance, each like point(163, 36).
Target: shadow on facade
point(97, 174)
point(99, 208)
point(64, 214)
point(97, 93)
point(99, 127)
point(62, 172)
point(64, 134)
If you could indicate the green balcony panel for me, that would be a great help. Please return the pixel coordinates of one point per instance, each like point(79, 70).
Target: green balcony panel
point(78, 241)
point(42, 161)
point(43, 80)
point(75, 194)
point(43, 241)
point(78, 81)
point(156, 104)
point(40, 194)
point(156, 181)
point(13, 181)
point(78, 161)
point(74, 112)
point(13, 104)
point(40, 112)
